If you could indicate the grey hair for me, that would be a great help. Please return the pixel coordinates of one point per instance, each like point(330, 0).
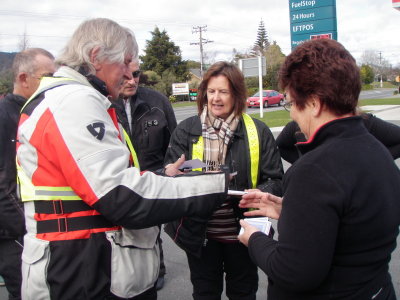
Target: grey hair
point(113, 41)
point(25, 61)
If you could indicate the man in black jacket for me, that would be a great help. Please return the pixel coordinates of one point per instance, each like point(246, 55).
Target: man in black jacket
point(148, 118)
point(28, 67)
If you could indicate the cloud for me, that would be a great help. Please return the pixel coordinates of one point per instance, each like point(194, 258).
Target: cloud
point(362, 24)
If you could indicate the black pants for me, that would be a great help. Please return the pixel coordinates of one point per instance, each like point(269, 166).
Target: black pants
point(207, 272)
point(10, 266)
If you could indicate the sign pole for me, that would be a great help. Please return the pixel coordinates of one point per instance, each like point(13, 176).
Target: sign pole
point(260, 85)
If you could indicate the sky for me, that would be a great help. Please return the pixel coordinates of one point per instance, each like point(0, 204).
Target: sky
point(363, 25)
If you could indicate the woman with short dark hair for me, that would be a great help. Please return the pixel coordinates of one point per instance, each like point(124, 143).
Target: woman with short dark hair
point(339, 216)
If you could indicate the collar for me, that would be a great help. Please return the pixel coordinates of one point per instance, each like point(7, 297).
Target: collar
point(338, 128)
point(95, 81)
point(17, 99)
point(98, 84)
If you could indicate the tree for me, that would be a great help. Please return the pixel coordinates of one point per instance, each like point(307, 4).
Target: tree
point(6, 82)
point(367, 74)
point(164, 86)
point(236, 55)
point(370, 58)
point(274, 55)
point(262, 42)
point(24, 42)
point(149, 78)
point(163, 55)
point(379, 65)
point(274, 58)
point(191, 64)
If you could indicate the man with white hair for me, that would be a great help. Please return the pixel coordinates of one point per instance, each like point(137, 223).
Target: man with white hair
point(90, 217)
point(29, 66)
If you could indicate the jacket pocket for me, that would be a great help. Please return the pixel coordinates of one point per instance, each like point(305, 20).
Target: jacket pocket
point(35, 260)
point(135, 260)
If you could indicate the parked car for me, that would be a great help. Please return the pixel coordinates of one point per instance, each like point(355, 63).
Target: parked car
point(270, 97)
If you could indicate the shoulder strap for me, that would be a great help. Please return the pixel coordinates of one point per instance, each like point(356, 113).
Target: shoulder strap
point(254, 148)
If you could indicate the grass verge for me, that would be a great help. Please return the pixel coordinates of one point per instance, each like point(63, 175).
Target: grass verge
point(183, 104)
point(281, 117)
point(385, 101)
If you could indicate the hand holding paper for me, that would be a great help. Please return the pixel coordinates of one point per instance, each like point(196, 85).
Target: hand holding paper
point(267, 205)
point(173, 169)
point(251, 225)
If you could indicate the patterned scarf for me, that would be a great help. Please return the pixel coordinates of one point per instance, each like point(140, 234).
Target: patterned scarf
point(216, 134)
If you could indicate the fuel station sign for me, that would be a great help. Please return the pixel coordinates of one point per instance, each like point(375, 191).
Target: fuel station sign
point(312, 19)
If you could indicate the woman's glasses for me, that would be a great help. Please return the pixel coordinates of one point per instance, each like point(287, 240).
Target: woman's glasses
point(287, 106)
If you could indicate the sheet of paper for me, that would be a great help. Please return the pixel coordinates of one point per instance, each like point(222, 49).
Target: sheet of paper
point(262, 223)
point(236, 193)
point(192, 164)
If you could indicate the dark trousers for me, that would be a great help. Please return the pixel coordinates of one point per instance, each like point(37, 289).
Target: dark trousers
point(207, 272)
point(10, 266)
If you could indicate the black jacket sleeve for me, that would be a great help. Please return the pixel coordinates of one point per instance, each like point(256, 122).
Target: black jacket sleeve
point(387, 133)
point(271, 169)
point(179, 142)
point(287, 140)
point(171, 121)
point(12, 222)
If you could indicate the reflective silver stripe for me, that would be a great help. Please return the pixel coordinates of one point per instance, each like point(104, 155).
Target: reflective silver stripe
point(54, 193)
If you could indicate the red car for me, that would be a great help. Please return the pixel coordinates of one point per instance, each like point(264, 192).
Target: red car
point(270, 97)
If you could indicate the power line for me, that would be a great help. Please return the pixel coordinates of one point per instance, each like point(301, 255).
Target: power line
point(200, 30)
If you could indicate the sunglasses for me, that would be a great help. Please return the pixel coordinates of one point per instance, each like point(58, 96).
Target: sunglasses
point(136, 74)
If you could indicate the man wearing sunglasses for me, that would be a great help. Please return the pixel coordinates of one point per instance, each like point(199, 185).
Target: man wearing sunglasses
point(148, 118)
point(28, 68)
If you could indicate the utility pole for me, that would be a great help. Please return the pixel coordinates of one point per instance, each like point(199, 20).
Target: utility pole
point(201, 29)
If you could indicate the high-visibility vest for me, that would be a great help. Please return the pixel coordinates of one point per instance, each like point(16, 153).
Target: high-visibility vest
point(29, 192)
point(253, 143)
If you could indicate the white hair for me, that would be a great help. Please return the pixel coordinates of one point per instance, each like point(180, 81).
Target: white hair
point(113, 41)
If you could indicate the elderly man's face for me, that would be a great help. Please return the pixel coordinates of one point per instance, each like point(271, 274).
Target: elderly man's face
point(130, 86)
point(114, 75)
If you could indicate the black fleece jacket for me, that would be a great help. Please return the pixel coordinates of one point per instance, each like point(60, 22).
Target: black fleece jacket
point(339, 220)
point(12, 223)
point(387, 133)
point(153, 121)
